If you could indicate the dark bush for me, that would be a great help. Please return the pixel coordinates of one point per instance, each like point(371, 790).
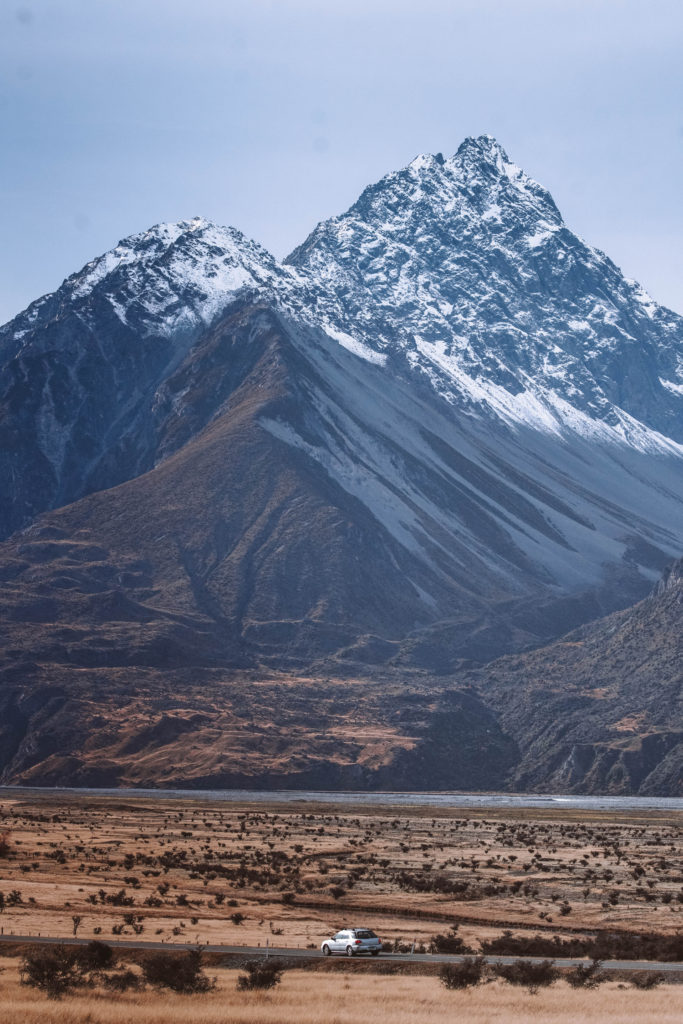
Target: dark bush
point(427, 882)
point(450, 943)
point(122, 981)
point(179, 972)
point(604, 946)
point(261, 974)
point(463, 975)
point(647, 979)
point(96, 956)
point(531, 975)
point(586, 975)
point(54, 971)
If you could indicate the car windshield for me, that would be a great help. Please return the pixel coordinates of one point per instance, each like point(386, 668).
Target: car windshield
point(365, 933)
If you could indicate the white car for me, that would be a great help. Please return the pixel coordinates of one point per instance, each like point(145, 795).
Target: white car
point(351, 942)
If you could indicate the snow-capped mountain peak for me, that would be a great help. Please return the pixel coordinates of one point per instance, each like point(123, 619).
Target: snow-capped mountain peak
point(455, 273)
point(482, 161)
point(466, 268)
point(484, 152)
point(165, 282)
point(462, 269)
point(178, 274)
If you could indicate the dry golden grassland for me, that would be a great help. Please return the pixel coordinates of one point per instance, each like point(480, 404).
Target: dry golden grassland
point(337, 998)
point(217, 872)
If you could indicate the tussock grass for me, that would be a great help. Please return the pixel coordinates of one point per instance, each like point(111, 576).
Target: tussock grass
point(335, 999)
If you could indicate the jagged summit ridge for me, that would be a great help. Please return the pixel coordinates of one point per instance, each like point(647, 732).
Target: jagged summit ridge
point(462, 268)
point(466, 267)
point(484, 158)
point(168, 279)
point(483, 147)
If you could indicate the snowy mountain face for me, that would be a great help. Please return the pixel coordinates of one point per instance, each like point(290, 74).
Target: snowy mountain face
point(81, 368)
point(466, 269)
point(491, 390)
point(166, 281)
point(545, 389)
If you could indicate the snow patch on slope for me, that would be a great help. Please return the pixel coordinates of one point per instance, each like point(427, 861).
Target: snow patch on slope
point(357, 347)
point(671, 385)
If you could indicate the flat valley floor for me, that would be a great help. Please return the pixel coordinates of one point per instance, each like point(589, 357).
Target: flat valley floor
point(184, 870)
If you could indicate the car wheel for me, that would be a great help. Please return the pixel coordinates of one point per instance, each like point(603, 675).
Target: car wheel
point(326, 950)
point(349, 950)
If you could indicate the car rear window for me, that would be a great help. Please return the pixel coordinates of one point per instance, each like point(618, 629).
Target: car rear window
point(365, 933)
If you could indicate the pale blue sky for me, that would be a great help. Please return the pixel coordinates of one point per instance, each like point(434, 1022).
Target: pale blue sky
point(271, 115)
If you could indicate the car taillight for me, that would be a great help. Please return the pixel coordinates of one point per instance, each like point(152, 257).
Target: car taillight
point(358, 942)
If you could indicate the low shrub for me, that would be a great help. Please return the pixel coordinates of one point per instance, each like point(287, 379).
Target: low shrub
point(398, 946)
point(123, 981)
point(463, 975)
point(586, 975)
point(96, 956)
point(55, 971)
point(179, 972)
point(647, 979)
point(603, 946)
point(449, 943)
point(61, 969)
point(528, 974)
point(261, 974)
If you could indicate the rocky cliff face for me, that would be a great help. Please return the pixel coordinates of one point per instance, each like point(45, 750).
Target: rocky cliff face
point(444, 429)
point(601, 709)
point(670, 587)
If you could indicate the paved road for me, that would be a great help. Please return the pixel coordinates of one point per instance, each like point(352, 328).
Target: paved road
point(315, 954)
